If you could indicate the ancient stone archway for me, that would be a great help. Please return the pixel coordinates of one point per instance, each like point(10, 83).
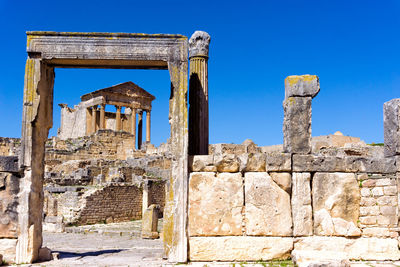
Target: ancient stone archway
point(48, 50)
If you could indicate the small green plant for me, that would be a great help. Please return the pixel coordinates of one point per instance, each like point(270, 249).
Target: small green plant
point(376, 144)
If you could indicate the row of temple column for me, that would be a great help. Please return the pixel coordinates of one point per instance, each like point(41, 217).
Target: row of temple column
point(92, 122)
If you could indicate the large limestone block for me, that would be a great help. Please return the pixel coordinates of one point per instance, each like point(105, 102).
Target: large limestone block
point(239, 248)
point(8, 249)
point(301, 204)
point(318, 248)
point(267, 206)
point(202, 163)
point(322, 163)
point(278, 162)
point(150, 222)
point(297, 125)
point(336, 204)
point(283, 179)
point(301, 85)
point(391, 124)
point(215, 204)
point(227, 163)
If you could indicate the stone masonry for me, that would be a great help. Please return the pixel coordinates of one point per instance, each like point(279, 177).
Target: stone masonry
point(332, 200)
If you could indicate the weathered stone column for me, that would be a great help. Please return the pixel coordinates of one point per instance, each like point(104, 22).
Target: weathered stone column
point(94, 118)
point(133, 126)
point(102, 116)
point(299, 91)
point(198, 93)
point(140, 128)
point(391, 125)
point(148, 126)
point(36, 123)
point(145, 198)
point(118, 119)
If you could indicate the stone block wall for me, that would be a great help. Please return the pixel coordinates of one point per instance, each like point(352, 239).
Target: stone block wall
point(114, 203)
point(263, 206)
point(9, 146)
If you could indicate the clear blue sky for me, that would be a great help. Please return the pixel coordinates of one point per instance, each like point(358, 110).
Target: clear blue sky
point(353, 46)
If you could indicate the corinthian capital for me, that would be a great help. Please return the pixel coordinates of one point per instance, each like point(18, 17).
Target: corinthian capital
point(199, 43)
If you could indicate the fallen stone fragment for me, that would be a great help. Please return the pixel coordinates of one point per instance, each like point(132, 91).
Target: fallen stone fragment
point(45, 254)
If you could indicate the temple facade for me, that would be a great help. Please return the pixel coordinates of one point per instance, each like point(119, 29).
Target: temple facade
point(90, 115)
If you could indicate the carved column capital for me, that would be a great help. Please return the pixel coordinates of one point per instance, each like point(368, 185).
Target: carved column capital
point(198, 44)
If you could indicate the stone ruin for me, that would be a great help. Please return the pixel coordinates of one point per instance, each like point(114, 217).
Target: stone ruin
point(323, 201)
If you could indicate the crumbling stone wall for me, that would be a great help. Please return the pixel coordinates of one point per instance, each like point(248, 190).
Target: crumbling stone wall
point(9, 146)
point(113, 203)
point(9, 189)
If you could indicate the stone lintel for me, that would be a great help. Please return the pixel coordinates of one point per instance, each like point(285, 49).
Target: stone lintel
point(313, 163)
point(9, 164)
point(93, 102)
point(198, 44)
point(113, 50)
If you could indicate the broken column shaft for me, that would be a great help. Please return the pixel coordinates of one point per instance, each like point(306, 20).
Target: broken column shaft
point(391, 124)
point(299, 91)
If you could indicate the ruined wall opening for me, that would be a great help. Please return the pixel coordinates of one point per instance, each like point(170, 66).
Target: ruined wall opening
point(49, 50)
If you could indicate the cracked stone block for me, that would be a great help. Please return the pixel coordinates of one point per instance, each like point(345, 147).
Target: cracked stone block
point(215, 204)
point(268, 210)
point(301, 204)
point(336, 204)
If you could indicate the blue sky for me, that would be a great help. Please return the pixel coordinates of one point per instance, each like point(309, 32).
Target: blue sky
point(353, 46)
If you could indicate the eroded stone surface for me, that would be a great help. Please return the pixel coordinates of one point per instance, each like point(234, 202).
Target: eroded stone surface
point(283, 179)
point(301, 85)
point(7, 249)
point(338, 248)
point(301, 204)
point(336, 204)
point(8, 205)
point(267, 211)
point(297, 125)
point(278, 162)
point(227, 163)
point(202, 163)
point(323, 163)
point(255, 162)
point(215, 204)
point(239, 248)
point(391, 124)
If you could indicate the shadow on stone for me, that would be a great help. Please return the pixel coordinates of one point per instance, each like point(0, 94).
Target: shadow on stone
point(66, 254)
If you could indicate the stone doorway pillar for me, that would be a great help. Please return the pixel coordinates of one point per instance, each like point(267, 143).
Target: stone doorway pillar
point(37, 119)
point(198, 93)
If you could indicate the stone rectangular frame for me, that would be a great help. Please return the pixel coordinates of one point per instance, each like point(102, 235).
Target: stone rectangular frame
point(47, 50)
